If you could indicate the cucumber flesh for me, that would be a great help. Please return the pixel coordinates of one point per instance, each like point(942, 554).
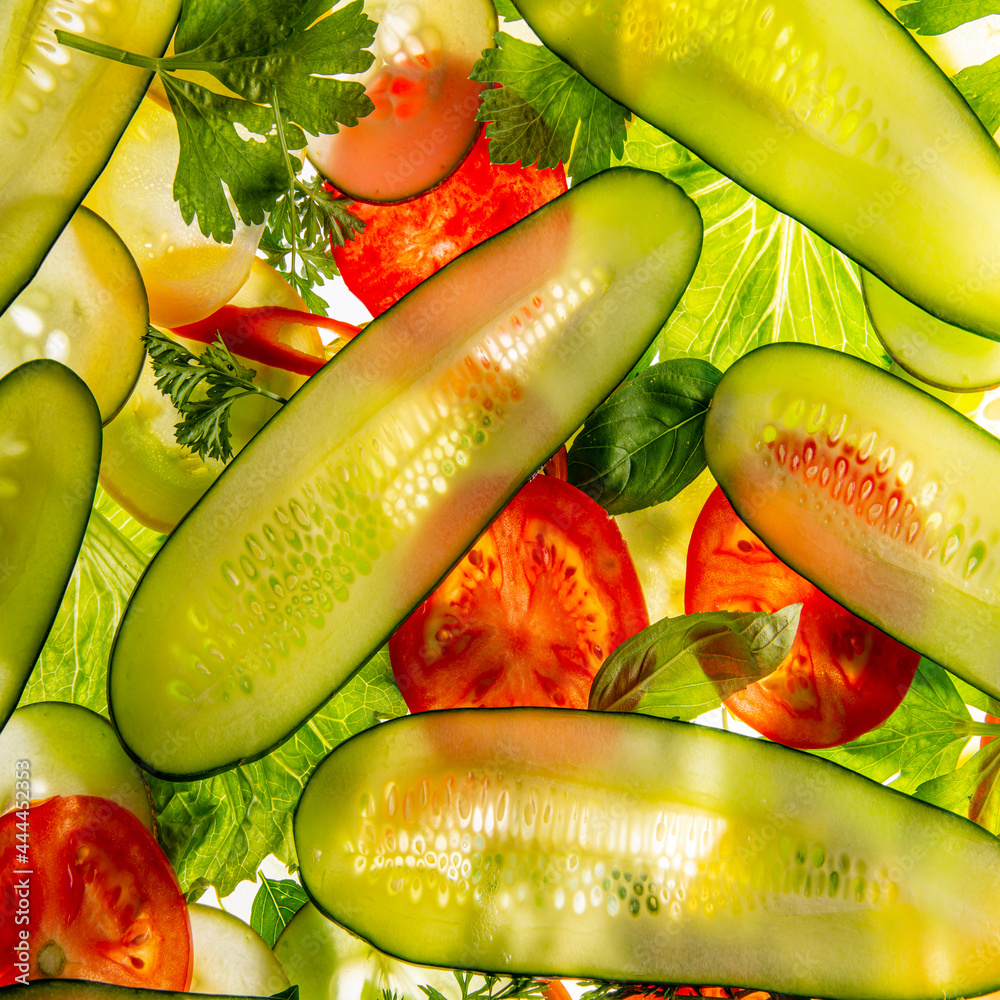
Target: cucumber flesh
point(839, 121)
point(328, 963)
point(61, 113)
point(85, 989)
point(556, 842)
point(937, 353)
point(424, 122)
point(50, 451)
point(230, 957)
point(876, 492)
point(73, 751)
point(86, 307)
point(358, 496)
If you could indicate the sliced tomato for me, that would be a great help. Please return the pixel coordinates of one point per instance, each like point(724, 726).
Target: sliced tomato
point(842, 677)
point(93, 897)
point(403, 244)
point(529, 615)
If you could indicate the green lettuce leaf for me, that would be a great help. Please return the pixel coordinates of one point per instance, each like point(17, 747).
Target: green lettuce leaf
point(276, 902)
point(972, 791)
point(73, 663)
point(218, 830)
point(935, 17)
point(762, 276)
point(921, 740)
point(645, 443)
point(682, 667)
point(545, 112)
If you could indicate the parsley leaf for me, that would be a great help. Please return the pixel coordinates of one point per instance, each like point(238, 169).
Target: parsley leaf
point(980, 86)
point(297, 239)
point(260, 47)
point(935, 17)
point(545, 112)
point(213, 153)
point(645, 443)
point(281, 59)
point(203, 389)
point(762, 277)
point(921, 740)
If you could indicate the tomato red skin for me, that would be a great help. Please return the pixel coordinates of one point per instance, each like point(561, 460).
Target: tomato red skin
point(842, 678)
point(529, 615)
point(404, 244)
point(95, 882)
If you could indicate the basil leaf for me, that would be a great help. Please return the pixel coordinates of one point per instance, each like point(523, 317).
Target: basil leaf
point(681, 667)
point(645, 443)
point(276, 902)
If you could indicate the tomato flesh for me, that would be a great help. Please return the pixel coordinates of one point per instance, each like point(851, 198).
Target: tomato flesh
point(403, 244)
point(842, 678)
point(529, 615)
point(99, 899)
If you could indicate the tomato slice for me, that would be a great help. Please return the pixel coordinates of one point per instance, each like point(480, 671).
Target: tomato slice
point(403, 244)
point(93, 897)
point(529, 615)
point(842, 677)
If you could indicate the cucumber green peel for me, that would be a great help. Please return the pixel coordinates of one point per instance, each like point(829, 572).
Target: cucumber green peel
point(939, 354)
point(881, 495)
point(61, 114)
point(839, 120)
point(50, 451)
point(622, 847)
point(359, 495)
point(86, 307)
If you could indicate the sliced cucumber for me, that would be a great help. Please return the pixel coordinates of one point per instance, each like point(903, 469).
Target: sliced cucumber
point(86, 307)
point(71, 751)
point(328, 963)
point(424, 122)
point(358, 496)
point(877, 492)
point(83, 989)
point(624, 847)
point(840, 121)
point(50, 450)
point(61, 113)
point(937, 353)
point(230, 957)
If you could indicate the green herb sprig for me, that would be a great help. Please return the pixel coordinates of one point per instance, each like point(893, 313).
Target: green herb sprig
point(203, 389)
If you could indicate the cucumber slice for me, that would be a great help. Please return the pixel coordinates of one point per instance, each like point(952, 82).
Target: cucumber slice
point(230, 957)
point(424, 122)
point(86, 307)
point(623, 847)
point(839, 121)
point(328, 963)
point(83, 989)
point(937, 353)
point(50, 450)
point(875, 491)
point(71, 751)
point(357, 497)
point(61, 113)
